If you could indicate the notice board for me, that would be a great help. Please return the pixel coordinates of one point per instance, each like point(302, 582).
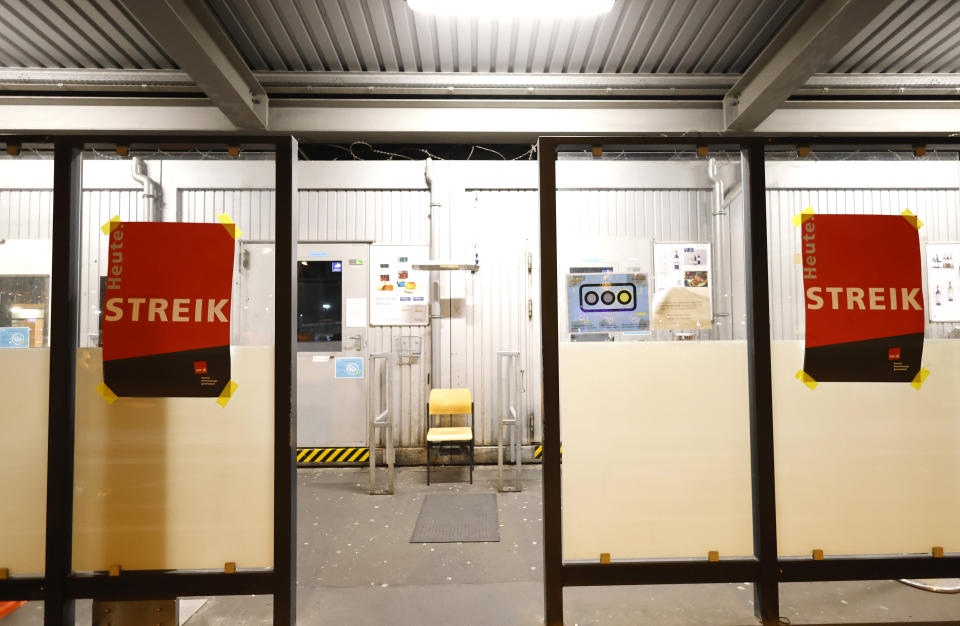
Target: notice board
point(399, 295)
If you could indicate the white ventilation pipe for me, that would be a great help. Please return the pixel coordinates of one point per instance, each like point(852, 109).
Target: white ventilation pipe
point(721, 299)
point(435, 314)
point(151, 190)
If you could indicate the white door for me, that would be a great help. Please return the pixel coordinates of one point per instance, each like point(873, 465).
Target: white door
point(332, 317)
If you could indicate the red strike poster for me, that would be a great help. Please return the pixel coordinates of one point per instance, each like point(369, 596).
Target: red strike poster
point(166, 309)
point(863, 298)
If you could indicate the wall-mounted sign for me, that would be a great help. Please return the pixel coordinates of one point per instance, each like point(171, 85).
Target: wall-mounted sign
point(683, 298)
point(399, 295)
point(943, 281)
point(348, 367)
point(863, 298)
point(607, 303)
point(15, 337)
point(166, 318)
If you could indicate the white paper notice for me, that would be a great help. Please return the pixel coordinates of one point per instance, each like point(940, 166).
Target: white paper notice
point(356, 312)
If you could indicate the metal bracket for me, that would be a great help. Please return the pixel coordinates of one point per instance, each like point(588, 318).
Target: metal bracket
point(508, 414)
point(380, 417)
point(136, 613)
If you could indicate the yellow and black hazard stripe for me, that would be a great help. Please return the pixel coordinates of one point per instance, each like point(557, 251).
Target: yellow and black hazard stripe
point(332, 456)
point(538, 452)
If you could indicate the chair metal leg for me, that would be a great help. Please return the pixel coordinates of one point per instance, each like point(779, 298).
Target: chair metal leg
point(428, 464)
point(471, 462)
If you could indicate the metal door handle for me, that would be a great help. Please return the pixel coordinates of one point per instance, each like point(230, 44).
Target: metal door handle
point(357, 337)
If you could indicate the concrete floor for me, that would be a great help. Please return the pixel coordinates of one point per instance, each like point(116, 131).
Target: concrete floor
point(356, 566)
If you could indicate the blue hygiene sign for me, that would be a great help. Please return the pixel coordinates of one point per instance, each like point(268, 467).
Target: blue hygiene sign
point(15, 337)
point(607, 303)
point(349, 367)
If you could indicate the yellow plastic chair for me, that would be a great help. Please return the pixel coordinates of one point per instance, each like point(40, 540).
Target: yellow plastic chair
point(449, 402)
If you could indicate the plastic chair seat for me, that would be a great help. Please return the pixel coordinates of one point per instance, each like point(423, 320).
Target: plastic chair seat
point(448, 433)
point(450, 401)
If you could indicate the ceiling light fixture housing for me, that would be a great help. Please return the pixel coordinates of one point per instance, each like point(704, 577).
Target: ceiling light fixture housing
point(512, 8)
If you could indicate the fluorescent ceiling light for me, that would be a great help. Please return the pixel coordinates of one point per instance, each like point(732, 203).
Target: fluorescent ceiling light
point(512, 8)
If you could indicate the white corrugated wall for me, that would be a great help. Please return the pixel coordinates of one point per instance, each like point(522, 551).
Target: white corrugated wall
point(25, 213)
point(937, 209)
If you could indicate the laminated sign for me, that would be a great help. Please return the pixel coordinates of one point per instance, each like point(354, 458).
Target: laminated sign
point(863, 298)
point(166, 317)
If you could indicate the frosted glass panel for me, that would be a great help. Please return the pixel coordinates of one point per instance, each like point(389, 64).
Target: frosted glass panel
point(656, 449)
point(23, 458)
point(26, 203)
point(867, 468)
point(864, 468)
point(175, 483)
point(654, 417)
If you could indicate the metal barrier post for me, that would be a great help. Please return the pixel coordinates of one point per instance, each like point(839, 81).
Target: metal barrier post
point(507, 414)
point(380, 417)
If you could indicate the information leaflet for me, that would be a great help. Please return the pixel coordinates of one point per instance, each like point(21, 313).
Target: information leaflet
point(683, 298)
point(943, 281)
point(399, 295)
point(608, 302)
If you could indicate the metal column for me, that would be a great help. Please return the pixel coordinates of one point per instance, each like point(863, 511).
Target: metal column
point(380, 417)
point(507, 415)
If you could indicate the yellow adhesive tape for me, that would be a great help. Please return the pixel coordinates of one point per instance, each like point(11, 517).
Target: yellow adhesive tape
point(804, 215)
point(913, 219)
point(227, 393)
point(108, 227)
point(806, 379)
point(230, 226)
point(921, 376)
point(107, 393)
point(798, 258)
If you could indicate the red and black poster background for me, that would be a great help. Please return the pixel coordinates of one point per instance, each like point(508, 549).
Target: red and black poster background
point(166, 317)
point(863, 298)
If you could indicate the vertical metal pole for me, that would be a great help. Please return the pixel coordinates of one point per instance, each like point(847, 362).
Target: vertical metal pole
point(285, 389)
point(552, 531)
point(64, 329)
point(766, 590)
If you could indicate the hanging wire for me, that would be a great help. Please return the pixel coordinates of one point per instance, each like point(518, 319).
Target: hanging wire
point(384, 152)
point(493, 151)
point(472, 148)
point(533, 148)
point(916, 584)
point(432, 156)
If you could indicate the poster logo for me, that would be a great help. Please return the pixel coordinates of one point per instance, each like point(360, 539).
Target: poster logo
point(166, 317)
point(863, 298)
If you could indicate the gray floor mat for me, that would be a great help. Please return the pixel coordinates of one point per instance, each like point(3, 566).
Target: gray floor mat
point(461, 517)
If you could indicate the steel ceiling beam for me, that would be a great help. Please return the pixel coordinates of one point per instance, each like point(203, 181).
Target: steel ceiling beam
point(813, 35)
point(190, 34)
point(595, 86)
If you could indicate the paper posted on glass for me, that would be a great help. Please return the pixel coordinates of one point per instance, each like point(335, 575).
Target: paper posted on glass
point(683, 297)
point(608, 302)
point(863, 298)
point(166, 318)
point(943, 281)
point(356, 314)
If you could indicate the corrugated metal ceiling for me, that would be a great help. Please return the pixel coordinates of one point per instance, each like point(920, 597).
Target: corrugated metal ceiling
point(645, 36)
point(75, 33)
point(910, 36)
